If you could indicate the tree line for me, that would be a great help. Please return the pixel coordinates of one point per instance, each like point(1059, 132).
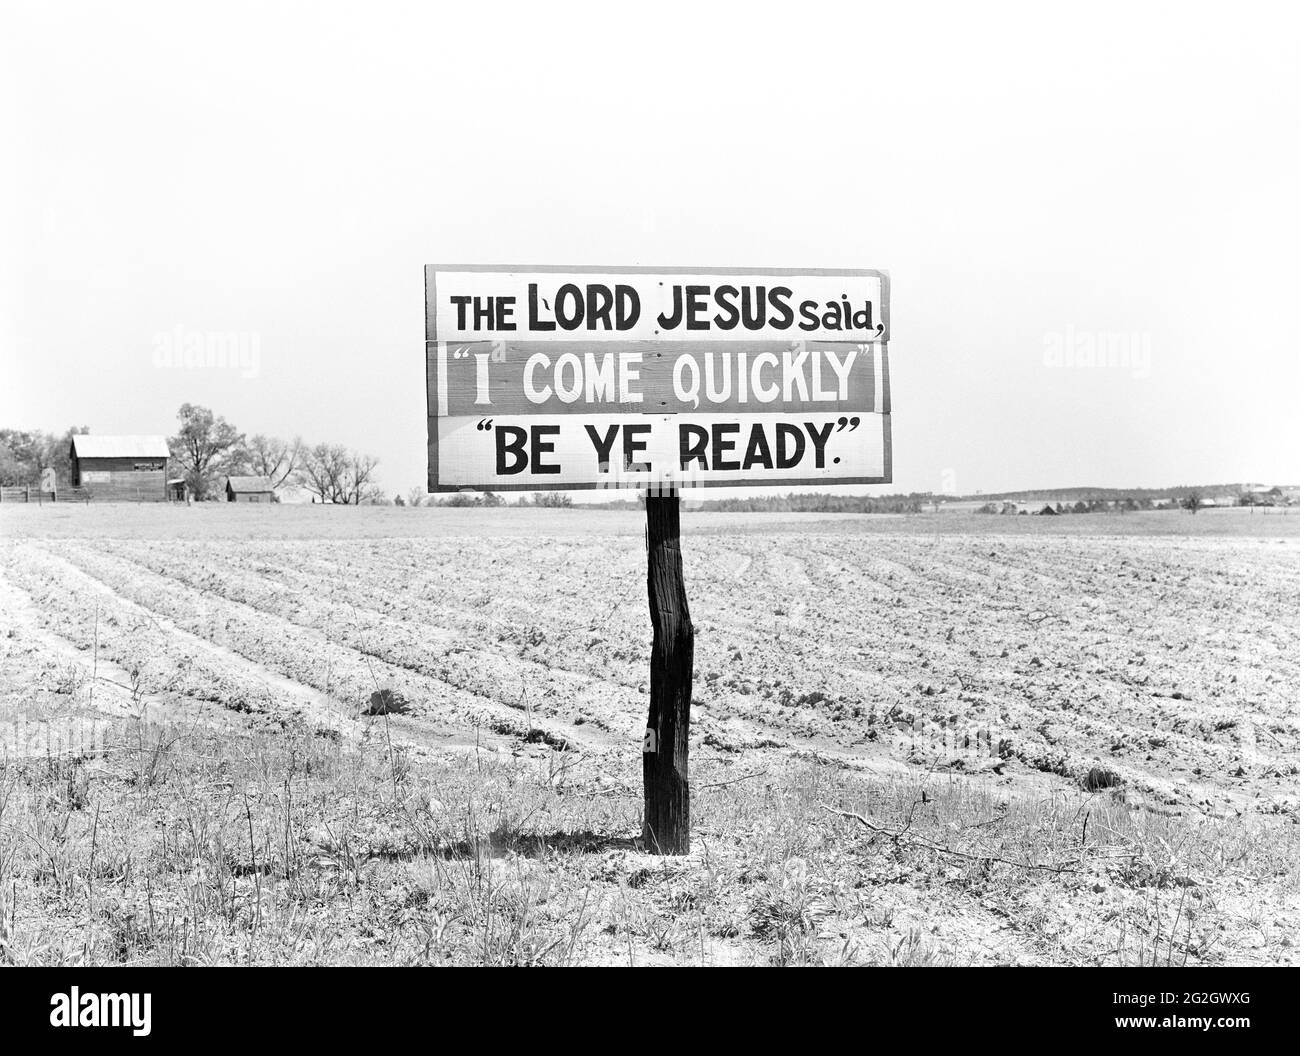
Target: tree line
point(819, 502)
point(206, 449)
point(25, 453)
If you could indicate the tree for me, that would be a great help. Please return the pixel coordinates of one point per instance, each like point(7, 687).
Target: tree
point(207, 447)
point(13, 470)
point(23, 454)
point(273, 458)
point(334, 474)
point(416, 496)
point(58, 453)
point(1193, 501)
point(358, 479)
point(322, 469)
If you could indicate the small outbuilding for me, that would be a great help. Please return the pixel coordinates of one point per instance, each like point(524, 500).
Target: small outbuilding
point(120, 468)
point(249, 489)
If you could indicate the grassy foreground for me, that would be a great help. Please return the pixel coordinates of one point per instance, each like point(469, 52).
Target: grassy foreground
point(185, 846)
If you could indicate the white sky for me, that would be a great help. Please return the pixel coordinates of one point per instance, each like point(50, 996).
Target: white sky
point(287, 171)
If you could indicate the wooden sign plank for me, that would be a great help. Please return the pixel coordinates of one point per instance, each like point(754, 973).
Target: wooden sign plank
point(559, 378)
point(475, 303)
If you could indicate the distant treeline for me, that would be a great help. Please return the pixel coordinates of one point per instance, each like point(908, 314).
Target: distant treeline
point(1086, 495)
point(1125, 505)
point(761, 504)
point(1183, 498)
point(791, 503)
point(489, 499)
point(815, 503)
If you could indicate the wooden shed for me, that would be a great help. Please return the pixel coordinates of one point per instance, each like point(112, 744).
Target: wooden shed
point(120, 468)
point(249, 489)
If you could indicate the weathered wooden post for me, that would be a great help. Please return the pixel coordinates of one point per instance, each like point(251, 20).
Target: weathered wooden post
point(548, 378)
point(666, 828)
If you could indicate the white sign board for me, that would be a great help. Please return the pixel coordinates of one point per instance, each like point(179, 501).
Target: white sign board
point(555, 378)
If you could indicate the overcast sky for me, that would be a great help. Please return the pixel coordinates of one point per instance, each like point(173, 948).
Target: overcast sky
point(1035, 181)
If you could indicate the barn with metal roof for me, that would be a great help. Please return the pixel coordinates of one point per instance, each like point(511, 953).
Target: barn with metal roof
point(121, 468)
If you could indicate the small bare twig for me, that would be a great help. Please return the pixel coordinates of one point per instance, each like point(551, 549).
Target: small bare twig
point(928, 845)
point(734, 780)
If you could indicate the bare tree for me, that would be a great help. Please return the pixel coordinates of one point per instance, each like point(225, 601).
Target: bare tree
point(416, 496)
point(322, 470)
point(334, 474)
point(358, 479)
point(273, 458)
point(1193, 501)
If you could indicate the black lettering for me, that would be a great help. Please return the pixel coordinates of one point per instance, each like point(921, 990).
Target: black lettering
point(780, 300)
point(695, 307)
point(543, 447)
point(670, 322)
point(510, 441)
point(633, 447)
point(757, 453)
point(534, 322)
point(720, 445)
point(809, 313)
point(568, 320)
point(753, 307)
point(819, 438)
point(604, 448)
point(627, 307)
point(461, 304)
point(786, 459)
point(599, 302)
point(724, 296)
point(693, 445)
point(505, 309)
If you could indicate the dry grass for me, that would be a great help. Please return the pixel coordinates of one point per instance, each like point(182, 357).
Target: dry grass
point(183, 846)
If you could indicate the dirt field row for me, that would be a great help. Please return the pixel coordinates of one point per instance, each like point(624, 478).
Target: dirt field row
point(1023, 664)
point(1170, 662)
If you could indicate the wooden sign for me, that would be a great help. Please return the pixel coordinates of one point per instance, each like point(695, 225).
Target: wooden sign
point(554, 378)
point(549, 378)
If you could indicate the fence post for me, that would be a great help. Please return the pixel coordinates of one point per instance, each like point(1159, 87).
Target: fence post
point(666, 828)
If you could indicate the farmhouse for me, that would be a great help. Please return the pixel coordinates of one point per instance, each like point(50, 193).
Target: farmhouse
point(120, 468)
point(249, 489)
